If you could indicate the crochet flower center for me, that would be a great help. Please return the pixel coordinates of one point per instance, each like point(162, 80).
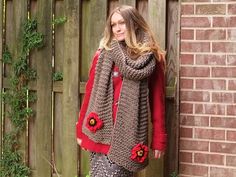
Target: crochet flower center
point(140, 153)
point(92, 122)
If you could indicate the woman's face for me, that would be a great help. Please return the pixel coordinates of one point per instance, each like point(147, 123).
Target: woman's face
point(118, 27)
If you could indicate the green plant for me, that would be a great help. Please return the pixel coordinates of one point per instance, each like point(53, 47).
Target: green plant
point(6, 57)
point(16, 97)
point(174, 174)
point(59, 20)
point(57, 76)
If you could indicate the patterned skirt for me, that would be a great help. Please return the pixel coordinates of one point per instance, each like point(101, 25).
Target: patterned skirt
point(102, 166)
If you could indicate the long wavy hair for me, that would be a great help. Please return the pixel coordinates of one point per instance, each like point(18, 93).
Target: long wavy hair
point(137, 31)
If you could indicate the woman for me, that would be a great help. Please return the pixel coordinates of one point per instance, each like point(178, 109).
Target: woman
point(126, 79)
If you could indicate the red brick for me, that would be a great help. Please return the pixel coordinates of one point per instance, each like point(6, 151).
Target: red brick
point(195, 22)
point(186, 83)
point(187, 34)
point(211, 9)
point(186, 59)
point(231, 34)
point(187, 9)
point(202, 121)
point(210, 84)
point(224, 71)
point(185, 157)
point(224, 21)
point(224, 47)
point(186, 132)
point(186, 108)
point(232, 9)
point(222, 172)
point(232, 85)
point(222, 97)
point(211, 134)
point(231, 161)
point(231, 136)
point(202, 59)
point(195, 71)
point(193, 170)
point(194, 145)
point(214, 109)
point(231, 60)
point(211, 34)
point(195, 96)
point(195, 47)
point(204, 158)
point(223, 122)
point(231, 110)
point(229, 148)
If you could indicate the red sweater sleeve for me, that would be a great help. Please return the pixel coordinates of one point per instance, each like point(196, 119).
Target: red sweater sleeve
point(88, 90)
point(157, 106)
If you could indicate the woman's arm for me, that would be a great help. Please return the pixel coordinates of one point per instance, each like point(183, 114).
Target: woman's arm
point(157, 105)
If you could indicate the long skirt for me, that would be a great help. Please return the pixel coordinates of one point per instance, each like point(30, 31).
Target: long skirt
point(102, 166)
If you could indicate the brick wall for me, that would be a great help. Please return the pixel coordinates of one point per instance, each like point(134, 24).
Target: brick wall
point(208, 88)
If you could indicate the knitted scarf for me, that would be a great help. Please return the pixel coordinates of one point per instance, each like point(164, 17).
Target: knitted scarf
point(131, 125)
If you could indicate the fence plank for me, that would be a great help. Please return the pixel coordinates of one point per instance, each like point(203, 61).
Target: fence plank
point(32, 126)
point(142, 7)
point(85, 41)
point(113, 4)
point(157, 19)
point(128, 2)
point(20, 17)
point(43, 122)
point(70, 86)
point(1, 67)
point(97, 23)
point(58, 97)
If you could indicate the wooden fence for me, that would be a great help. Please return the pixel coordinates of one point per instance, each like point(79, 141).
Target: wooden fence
point(49, 144)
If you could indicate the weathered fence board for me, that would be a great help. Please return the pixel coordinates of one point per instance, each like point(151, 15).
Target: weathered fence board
point(32, 121)
point(1, 76)
point(58, 96)
point(70, 86)
point(43, 121)
point(20, 16)
point(157, 19)
point(142, 7)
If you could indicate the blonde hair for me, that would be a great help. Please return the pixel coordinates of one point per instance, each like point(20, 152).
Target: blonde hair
point(137, 30)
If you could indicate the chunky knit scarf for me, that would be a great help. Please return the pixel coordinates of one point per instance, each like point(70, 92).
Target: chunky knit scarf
point(131, 125)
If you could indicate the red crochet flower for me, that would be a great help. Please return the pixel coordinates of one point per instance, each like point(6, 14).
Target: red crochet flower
point(93, 122)
point(139, 153)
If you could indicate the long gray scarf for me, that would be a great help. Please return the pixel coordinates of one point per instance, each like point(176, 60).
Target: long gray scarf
point(131, 125)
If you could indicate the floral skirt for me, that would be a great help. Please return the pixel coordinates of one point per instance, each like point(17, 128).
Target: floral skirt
point(102, 166)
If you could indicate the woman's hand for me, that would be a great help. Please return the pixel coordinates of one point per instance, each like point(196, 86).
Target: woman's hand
point(158, 154)
point(79, 141)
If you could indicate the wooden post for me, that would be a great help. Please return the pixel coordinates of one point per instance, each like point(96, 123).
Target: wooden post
point(43, 120)
point(172, 108)
point(70, 87)
point(128, 2)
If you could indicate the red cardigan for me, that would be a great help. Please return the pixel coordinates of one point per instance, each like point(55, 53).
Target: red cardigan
point(157, 105)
